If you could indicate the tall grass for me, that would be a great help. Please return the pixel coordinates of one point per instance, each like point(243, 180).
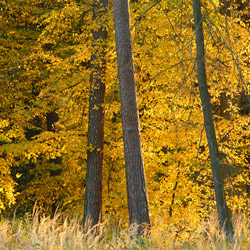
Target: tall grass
point(59, 233)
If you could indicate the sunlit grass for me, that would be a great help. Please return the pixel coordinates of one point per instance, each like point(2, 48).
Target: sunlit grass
point(59, 233)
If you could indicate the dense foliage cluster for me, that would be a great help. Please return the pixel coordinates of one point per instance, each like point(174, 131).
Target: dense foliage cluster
point(45, 51)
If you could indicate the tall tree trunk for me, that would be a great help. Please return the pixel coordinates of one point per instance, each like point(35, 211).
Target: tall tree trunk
point(135, 176)
point(52, 118)
point(93, 192)
point(209, 126)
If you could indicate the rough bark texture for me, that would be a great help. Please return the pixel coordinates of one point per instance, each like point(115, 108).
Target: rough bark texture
point(135, 177)
point(93, 193)
point(209, 126)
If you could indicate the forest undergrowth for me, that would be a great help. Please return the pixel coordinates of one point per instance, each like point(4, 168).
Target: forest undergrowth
point(39, 232)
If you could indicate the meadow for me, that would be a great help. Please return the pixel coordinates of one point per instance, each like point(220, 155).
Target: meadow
point(39, 232)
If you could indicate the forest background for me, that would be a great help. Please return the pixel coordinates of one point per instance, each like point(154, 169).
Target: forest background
point(45, 49)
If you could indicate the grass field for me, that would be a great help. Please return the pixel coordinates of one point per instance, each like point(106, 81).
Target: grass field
point(40, 232)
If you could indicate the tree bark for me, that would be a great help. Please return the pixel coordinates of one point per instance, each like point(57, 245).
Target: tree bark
point(52, 118)
point(135, 176)
point(93, 192)
point(209, 126)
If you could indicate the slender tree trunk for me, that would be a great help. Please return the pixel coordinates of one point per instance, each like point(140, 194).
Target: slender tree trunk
point(52, 118)
point(135, 176)
point(209, 126)
point(93, 193)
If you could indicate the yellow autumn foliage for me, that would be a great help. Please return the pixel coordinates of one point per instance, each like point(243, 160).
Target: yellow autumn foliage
point(45, 53)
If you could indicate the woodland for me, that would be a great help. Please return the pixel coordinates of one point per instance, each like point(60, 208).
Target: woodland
point(52, 55)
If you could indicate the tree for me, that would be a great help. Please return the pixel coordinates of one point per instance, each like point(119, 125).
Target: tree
point(35, 98)
point(93, 193)
point(45, 59)
point(208, 121)
point(135, 177)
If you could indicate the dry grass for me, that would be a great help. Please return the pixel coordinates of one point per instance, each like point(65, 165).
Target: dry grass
point(58, 233)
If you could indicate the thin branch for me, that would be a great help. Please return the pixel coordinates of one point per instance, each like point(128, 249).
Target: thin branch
point(200, 142)
point(172, 66)
point(139, 18)
point(229, 48)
